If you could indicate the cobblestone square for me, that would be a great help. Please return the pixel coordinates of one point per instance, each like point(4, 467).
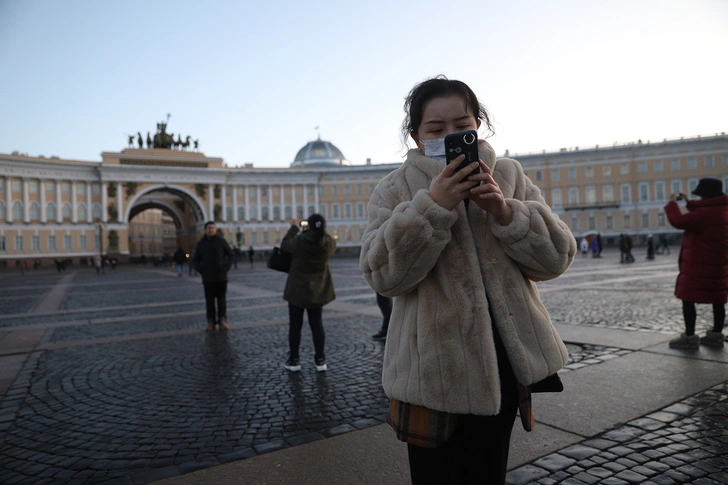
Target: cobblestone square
point(122, 385)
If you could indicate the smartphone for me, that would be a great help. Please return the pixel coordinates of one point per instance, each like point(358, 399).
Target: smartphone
point(304, 225)
point(680, 196)
point(463, 143)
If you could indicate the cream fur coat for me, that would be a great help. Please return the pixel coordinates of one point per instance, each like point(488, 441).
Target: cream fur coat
point(444, 268)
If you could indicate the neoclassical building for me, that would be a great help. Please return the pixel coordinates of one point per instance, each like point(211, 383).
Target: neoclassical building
point(52, 208)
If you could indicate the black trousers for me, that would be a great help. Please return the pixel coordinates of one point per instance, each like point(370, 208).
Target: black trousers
point(295, 315)
point(385, 305)
point(216, 291)
point(690, 315)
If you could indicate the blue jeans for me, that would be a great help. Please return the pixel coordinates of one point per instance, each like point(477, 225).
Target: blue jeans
point(179, 269)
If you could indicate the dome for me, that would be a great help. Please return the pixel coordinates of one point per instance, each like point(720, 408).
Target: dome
point(319, 153)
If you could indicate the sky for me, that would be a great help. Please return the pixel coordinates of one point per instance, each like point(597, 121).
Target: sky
point(256, 81)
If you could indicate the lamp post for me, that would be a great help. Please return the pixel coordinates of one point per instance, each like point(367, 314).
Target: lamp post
point(100, 226)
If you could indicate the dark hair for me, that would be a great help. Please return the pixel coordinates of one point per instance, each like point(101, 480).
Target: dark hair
point(317, 226)
point(436, 87)
point(208, 223)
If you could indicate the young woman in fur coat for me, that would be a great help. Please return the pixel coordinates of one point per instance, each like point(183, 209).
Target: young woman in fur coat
point(460, 254)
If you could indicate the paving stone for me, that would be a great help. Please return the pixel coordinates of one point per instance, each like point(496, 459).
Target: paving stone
point(579, 452)
point(554, 462)
point(525, 475)
point(631, 477)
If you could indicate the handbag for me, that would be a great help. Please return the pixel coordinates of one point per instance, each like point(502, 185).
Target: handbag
point(279, 261)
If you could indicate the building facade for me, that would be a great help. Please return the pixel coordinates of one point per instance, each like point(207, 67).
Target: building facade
point(67, 209)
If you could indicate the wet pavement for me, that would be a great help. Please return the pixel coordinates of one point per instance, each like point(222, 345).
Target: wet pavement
point(116, 382)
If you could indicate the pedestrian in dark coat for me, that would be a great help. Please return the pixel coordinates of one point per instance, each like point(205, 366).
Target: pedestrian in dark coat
point(309, 286)
point(650, 247)
point(213, 259)
point(180, 258)
point(703, 259)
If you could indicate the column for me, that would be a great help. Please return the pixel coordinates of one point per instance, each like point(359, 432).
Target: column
point(245, 203)
point(41, 187)
point(235, 203)
point(59, 212)
point(257, 201)
point(270, 202)
point(283, 203)
point(74, 208)
point(316, 198)
point(223, 194)
point(8, 199)
point(89, 204)
point(119, 201)
point(105, 203)
point(26, 204)
point(305, 202)
point(211, 202)
point(293, 201)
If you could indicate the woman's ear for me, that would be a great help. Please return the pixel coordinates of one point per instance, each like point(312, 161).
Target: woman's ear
point(419, 144)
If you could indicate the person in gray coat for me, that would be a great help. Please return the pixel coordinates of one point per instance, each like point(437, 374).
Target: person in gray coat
point(309, 286)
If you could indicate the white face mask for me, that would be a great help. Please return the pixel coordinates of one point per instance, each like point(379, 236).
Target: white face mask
point(435, 148)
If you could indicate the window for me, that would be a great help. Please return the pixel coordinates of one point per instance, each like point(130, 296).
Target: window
point(539, 175)
point(289, 212)
point(265, 212)
point(82, 212)
point(676, 186)
point(572, 174)
point(574, 223)
point(81, 189)
point(322, 210)
point(692, 183)
point(2, 185)
point(607, 170)
point(660, 190)
point(67, 243)
point(66, 212)
point(3, 216)
point(334, 190)
point(97, 244)
point(35, 243)
point(66, 188)
point(276, 213)
point(299, 211)
point(725, 160)
point(372, 187)
point(608, 193)
point(311, 209)
point(347, 189)
point(610, 222)
point(266, 236)
point(253, 211)
point(310, 190)
point(228, 213)
point(241, 192)
point(642, 167)
point(34, 211)
point(253, 190)
point(3, 244)
point(573, 195)
point(555, 175)
point(335, 211)
point(18, 210)
point(661, 219)
point(359, 189)
point(50, 188)
point(626, 193)
point(16, 186)
point(19, 243)
point(82, 243)
point(52, 243)
point(675, 165)
point(241, 212)
point(33, 186)
point(627, 221)
point(624, 169)
point(692, 163)
point(556, 198)
point(591, 194)
point(96, 213)
point(645, 220)
point(347, 211)
point(589, 172)
point(322, 190)
point(95, 189)
point(360, 210)
point(709, 161)
point(255, 238)
point(658, 167)
point(644, 192)
point(228, 191)
point(592, 223)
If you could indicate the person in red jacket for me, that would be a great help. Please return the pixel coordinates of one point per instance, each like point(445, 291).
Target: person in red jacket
point(703, 259)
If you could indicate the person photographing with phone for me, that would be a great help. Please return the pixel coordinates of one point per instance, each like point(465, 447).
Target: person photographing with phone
point(309, 286)
point(460, 251)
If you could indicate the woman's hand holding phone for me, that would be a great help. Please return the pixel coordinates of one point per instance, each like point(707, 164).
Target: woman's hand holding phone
point(488, 196)
point(452, 185)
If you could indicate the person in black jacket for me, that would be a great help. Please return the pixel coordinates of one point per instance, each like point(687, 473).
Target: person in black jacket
point(180, 258)
point(213, 259)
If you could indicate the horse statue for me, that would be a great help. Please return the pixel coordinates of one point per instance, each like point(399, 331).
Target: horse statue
point(178, 143)
point(140, 140)
point(197, 144)
point(186, 144)
point(162, 139)
point(149, 141)
point(131, 141)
